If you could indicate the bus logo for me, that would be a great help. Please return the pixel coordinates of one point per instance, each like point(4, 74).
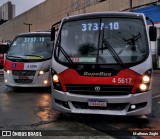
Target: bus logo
point(6, 133)
point(97, 89)
point(23, 72)
point(98, 74)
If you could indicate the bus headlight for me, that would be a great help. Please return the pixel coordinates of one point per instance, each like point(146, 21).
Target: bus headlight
point(145, 79)
point(41, 72)
point(55, 79)
point(145, 82)
point(45, 82)
point(143, 87)
point(8, 72)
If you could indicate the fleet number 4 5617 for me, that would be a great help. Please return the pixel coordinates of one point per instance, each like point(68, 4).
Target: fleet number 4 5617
point(122, 80)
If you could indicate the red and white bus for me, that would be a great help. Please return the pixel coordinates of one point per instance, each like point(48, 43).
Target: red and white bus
point(28, 61)
point(102, 64)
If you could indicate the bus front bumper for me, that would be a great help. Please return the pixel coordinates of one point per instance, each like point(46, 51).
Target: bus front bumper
point(132, 104)
point(37, 81)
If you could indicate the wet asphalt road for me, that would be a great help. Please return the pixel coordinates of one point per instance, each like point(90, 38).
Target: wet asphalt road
point(30, 109)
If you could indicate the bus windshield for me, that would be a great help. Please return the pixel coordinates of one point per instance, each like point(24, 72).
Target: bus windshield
point(31, 48)
point(103, 41)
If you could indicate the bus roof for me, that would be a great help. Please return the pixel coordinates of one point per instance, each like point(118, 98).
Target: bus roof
point(104, 14)
point(34, 33)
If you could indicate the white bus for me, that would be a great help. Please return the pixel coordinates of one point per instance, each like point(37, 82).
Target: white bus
point(28, 61)
point(102, 64)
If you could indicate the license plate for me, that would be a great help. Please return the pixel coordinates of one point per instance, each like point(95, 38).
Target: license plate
point(23, 77)
point(97, 103)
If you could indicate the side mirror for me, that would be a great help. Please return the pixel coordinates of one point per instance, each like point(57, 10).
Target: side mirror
point(153, 33)
point(53, 31)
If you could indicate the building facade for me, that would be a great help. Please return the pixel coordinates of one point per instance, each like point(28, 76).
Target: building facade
point(7, 11)
point(44, 15)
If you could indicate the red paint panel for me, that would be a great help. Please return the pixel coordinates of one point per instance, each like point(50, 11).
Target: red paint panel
point(71, 76)
point(13, 65)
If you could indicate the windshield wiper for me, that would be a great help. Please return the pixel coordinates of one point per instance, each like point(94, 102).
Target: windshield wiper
point(60, 48)
point(112, 51)
point(64, 53)
point(35, 56)
point(15, 57)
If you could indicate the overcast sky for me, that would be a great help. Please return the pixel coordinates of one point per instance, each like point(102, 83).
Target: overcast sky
point(22, 5)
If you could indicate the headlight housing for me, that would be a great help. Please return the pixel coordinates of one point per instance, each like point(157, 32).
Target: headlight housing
point(145, 83)
point(55, 78)
point(146, 79)
point(41, 72)
point(143, 87)
point(7, 71)
point(56, 81)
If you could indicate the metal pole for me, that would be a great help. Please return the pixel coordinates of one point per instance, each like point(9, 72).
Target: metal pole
point(131, 5)
point(29, 26)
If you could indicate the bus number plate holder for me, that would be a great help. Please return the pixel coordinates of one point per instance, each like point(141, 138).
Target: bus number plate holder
point(23, 77)
point(97, 103)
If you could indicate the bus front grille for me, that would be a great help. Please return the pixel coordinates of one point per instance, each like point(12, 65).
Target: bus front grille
point(99, 90)
point(23, 72)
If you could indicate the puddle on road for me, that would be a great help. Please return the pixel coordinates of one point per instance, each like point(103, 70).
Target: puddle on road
point(47, 114)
